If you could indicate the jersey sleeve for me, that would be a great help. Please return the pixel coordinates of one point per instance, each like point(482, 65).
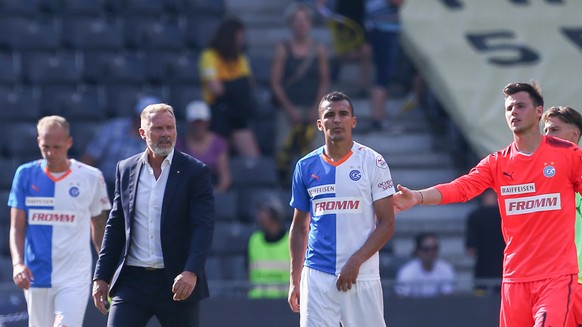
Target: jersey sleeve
point(100, 201)
point(208, 66)
point(16, 199)
point(299, 194)
point(470, 185)
point(381, 178)
point(577, 169)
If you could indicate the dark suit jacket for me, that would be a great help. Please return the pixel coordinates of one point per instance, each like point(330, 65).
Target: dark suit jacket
point(187, 221)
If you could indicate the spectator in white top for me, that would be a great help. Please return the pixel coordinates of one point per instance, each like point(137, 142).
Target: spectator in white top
point(425, 275)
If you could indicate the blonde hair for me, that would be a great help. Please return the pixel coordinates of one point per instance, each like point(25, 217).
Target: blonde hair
point(294, 8)
point(52, 121)
point(148, 111)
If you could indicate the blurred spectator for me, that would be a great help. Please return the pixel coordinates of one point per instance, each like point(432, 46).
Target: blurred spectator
point(227, 87)
point(299, 78)
point(205, 145)
point(268, 253)
point(347, 29)
point(425, 275)
point(117, 139)
point(382, 23)
point(485, 241)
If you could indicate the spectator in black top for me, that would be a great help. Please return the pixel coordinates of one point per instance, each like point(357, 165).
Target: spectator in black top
point(485, 241)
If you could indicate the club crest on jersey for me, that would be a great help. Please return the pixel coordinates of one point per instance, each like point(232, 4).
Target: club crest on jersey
point(74, 191)
point(549, 171)
point(355, 175)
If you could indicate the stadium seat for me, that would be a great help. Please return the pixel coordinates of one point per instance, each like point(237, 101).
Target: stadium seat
point(9, 166)
point(20, 141)
point(206, 7)
point(82, 133)
point(250, 197)
point(265, 132)
point(172, 67)
point(112, 67)
point(20, 33)
point(92, 33)
point(81, 7)
point(51, 68)
point(225, 206)
point(19, 105)
point(230, 238)
point(80, 103)
point(253, 172)
point(143, 6)
point(9, 70)
point(152, 34)
point(199, 29)
point(261, 68)
point(20, 7)
point(181, 94)
point(120, 99)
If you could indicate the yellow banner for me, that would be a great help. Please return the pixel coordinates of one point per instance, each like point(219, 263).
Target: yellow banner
point(468, 50)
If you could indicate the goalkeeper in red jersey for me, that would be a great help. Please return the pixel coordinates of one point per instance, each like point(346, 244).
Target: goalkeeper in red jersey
point(535, 178)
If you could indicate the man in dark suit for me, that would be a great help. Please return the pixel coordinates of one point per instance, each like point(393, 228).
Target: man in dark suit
point(158, 233)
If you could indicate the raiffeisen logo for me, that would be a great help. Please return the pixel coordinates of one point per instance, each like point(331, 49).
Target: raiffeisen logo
point(50, 217)
point(337, 205)
point(544, 202)
point(37, 201)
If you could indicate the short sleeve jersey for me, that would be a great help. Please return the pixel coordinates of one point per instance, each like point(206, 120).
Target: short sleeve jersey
point(58, 212)
point(213, 67)
point(537, 205)
point(339, 196)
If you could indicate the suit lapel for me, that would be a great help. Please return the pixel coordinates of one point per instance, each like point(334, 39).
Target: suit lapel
point(133, 182)
point(174, 179)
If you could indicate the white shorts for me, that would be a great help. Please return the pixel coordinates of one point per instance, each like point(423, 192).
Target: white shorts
point(62, 306)
point(322, 305)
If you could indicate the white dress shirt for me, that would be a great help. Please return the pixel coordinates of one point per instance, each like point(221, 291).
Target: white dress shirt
point(146, 244)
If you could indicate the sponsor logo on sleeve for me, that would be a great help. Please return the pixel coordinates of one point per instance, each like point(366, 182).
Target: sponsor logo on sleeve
point(518, 189)
point(327, 206)
point(52, 217)
point(321, 189)
point(37, 201)
point(380, 162)
point(538, 203)
point(386, 185)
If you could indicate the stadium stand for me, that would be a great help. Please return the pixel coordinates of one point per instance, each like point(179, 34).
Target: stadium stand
point(27, 33)
point(19, 104)
point(92, 33)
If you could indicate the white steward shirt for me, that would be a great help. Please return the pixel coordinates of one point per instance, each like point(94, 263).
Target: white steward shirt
point(146, 243)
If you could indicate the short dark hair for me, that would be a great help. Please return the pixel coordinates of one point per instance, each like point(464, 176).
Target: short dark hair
point(336, 96)
point(566, 114)
point(419, 239)
point(530, 88)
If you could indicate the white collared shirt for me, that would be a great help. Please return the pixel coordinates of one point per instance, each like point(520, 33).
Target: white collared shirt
point(146, 243)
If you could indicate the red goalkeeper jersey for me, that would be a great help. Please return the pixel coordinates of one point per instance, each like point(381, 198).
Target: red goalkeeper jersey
point(536, 195)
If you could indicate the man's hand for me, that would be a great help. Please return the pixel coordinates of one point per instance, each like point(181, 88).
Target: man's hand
point(183, 285)
point(348, 275)
point(293, 297)
point(404, 199)
point(22, 276)
point(101, 296)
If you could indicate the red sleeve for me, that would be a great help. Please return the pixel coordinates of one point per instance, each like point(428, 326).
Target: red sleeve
point(470, 185)
point(577, 171)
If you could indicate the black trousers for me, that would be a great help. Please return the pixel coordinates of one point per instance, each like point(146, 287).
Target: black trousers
point(141, 294)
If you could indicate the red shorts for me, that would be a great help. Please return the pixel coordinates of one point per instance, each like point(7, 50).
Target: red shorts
point(575, 319)
point(540, 303)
